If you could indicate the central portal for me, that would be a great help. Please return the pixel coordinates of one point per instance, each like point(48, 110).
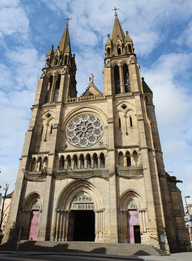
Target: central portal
point(84, 225)
point(82, 219)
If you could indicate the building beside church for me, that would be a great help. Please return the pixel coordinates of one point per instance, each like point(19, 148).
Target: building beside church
point(91, 167)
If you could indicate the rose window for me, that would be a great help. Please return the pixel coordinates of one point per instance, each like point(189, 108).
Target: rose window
point(84, 130)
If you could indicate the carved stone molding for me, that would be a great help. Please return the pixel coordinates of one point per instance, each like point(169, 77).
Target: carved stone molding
point(130, 172)
point(81, 174)
point(82, 201)
point(38, 176)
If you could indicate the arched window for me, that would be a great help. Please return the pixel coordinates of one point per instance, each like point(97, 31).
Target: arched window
point(135, 157)
point(81, 162)
point(108, 51)
point(45, 163)
point(131, 122)
point(33, 164)
point(48, 91)
point(102, 160)
point(57, 88)
point(129, 48)
point(75, 162)
point(88, 161)
point(119, 123)
point(126, 78)
point(117, 79)
point(61, 162)
point(128, 159)
point(65, 59)
point(119, 50)
point(95, 161)
point(39, 164)
point(51, 129)
point(120, 159)
point(68, 162)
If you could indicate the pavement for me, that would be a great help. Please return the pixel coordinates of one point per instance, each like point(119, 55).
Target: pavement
point(187, 256)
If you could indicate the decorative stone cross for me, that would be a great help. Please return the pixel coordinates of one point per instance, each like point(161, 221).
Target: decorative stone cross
point(91, 78)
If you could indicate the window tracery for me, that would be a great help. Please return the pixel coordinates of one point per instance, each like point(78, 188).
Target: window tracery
point(84, 130)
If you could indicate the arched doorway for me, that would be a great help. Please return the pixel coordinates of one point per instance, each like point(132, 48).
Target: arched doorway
point(133, 223)
point(81, 218)
point(34, 221)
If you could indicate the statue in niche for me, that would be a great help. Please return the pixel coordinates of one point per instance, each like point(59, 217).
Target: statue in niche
point(44, 164)
point(38, 166)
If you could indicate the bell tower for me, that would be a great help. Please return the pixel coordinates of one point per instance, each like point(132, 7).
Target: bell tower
point(119, 58)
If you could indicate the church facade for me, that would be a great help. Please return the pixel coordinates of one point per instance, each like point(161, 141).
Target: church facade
point(91, 167)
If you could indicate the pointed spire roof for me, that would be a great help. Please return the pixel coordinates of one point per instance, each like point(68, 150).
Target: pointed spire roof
point(127, 37)
point(51, 52)
point(108, 40)
point(117, 31)
point(64, 44)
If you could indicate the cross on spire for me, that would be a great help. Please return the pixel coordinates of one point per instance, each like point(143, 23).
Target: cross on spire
point(68, 20)
point(115, 9)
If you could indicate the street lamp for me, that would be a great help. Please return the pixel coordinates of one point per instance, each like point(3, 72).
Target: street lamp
point(186, 204)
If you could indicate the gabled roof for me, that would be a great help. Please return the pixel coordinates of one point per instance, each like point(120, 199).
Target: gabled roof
point(117, 31)
point(91, 90)
point(146, 88)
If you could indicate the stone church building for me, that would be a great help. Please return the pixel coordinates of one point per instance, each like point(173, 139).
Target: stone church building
point(91, 167)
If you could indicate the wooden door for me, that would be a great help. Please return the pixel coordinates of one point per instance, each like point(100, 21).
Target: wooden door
point(132, 221)
point(34, 223)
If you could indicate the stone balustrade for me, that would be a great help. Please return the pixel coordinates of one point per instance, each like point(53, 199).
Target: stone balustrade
point(86, 98)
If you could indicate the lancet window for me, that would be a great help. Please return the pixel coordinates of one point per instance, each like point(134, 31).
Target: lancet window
point(33, 164)
point(57, 88)
point(129, 48)
point(102, 160)
point(61, 163)
point(75, 162)
point(120, 159)
point(95, 160)
point(117, 80)
point(88, 161)
point(126, 78)
point(48, 91)
point(82, 162)
point(39, 164)
point(135, 157)
point(128, 159)
point(68, 162)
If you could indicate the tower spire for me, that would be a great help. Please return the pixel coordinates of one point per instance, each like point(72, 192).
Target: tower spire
point(117, 31)
point(64, 44)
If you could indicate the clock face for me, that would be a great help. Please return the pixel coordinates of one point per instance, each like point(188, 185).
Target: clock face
point(84, 130)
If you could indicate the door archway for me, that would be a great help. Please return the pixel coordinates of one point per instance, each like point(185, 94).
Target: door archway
point(82, 218)
point(80, 200)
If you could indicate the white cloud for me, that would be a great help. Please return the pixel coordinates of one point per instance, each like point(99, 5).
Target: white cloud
point(13, 20)
point(27, 65)
point(186, 36)
point(9, 3)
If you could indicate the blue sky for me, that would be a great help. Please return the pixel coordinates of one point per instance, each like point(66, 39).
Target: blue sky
point(162, 36)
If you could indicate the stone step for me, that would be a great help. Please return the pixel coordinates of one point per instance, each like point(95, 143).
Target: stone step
point(93, 247)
